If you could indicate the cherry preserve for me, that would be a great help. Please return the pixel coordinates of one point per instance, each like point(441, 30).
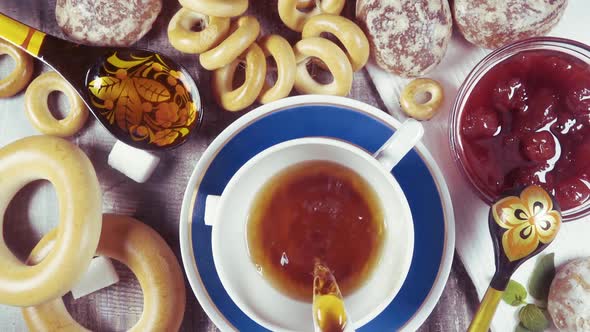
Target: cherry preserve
point(527, 121)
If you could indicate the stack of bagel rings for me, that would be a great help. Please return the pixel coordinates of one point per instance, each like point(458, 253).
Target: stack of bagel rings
point(61, 258)
point(223, 45)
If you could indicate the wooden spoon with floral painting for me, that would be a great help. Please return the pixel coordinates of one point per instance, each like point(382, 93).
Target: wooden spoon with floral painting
point(521, 227)
point(141, 97)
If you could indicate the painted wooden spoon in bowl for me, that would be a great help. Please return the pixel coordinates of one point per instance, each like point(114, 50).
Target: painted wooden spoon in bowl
point(143, 98)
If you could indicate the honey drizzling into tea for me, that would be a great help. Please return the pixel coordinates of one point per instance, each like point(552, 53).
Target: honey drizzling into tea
point(329, 314)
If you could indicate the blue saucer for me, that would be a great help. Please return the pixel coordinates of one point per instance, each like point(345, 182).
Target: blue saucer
point(360, 128)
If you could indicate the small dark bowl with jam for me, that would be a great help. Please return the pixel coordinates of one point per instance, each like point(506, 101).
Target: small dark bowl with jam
point(522, 117)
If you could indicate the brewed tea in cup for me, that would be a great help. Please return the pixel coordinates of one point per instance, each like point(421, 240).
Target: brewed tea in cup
point(315, 210)
point(311, 198)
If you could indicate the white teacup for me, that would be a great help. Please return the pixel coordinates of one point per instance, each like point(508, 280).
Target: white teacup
point(228, 214)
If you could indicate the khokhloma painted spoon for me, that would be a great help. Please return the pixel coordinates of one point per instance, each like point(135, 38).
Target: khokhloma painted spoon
point(521, 227)
point(143, 98)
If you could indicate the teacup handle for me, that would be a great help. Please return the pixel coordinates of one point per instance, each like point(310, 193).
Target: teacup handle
point(211, 205)
point(399, 144)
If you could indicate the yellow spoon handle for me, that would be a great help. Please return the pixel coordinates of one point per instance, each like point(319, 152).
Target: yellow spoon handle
point(21, 35)
point(487, 308)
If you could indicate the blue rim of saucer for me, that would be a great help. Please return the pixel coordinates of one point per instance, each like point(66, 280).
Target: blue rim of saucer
point(347, 124)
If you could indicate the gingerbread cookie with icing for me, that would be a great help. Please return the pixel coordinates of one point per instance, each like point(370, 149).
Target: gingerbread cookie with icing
point(495, 23)
point(407, 37)
point(569, 296)
point(107, 22)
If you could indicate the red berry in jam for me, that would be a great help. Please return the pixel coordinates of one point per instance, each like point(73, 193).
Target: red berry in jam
point(524, 61)
point(581, 155)
point(531, 175)
point(566, 123)
point(572, 192)
point(541, 111)
point(483, 122)
point(510, 95)
point(565, 164)
point(583, 119)
point(538, 146)
point(557, 65)
point(541, 100)
point(510, 140)
point(578, 97)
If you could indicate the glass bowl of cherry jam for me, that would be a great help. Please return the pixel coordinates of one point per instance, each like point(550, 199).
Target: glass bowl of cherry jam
point(522, 117)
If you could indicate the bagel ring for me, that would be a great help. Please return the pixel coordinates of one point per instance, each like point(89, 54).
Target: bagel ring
point(333, 57)
point(303, 4)
point(245, 32)
point(38, 112)
point(242, 97)
point(422, 111)
point(280, 49)
point(295, 19)
point(147, 255)
point(348, 33)
point(181, 37)
point(22, 73)
point(80, 205)
point(219, 8)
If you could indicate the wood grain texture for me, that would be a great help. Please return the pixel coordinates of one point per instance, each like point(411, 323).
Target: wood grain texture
point(158, 202)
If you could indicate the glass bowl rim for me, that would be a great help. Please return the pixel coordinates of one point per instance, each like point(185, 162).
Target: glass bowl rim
point(473, 78)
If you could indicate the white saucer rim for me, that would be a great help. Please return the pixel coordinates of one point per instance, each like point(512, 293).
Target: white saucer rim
point(219, 142)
